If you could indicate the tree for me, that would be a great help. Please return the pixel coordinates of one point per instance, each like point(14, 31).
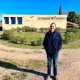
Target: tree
point(60, 10)
point(74, 17)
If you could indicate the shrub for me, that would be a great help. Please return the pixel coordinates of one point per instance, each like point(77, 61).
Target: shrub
point(46, 29)
point(61, 30)
point(69, 37)
point(7, 34)
point(43, 29)
point(23, 29)
point(18, 29)
point(18, 39)
point(72, 30)
point(39, 42)
point(72, 35)
point(29, 29)
point(32, 43)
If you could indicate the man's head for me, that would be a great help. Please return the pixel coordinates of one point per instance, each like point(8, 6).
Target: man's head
point(52, 27)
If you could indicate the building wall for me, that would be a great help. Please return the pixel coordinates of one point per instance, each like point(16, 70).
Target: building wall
point(36, 21)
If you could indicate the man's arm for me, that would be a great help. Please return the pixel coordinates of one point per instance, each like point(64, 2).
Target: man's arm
point(45, 40)
point(60, 42)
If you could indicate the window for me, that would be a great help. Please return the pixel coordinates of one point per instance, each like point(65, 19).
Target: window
point(13, 20)
point(6, 20)
point(19, 20)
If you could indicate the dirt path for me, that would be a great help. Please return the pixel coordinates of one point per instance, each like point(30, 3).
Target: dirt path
point(69, 60)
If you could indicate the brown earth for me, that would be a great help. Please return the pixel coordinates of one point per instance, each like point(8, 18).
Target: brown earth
point(68, 67)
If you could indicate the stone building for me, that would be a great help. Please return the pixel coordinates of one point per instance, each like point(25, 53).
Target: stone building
point(37, 21)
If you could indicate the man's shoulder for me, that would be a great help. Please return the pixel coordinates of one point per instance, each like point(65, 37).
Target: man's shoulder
point(47, 33)
point(57, 32)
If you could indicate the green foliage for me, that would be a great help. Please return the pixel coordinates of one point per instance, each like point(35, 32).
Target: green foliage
point(18, 39)
point(72, 35)
point(19, 29)
point(6, 77)
point(32, 43)
point(77, 31)
point(29, 29)
point(39, 42)
point(43, 29)
point(21, 76)
point(61, 30)
point(69, 37)
point(33, 37)
point(7, 34)
point(60, 10)
point(15, 38)
point(74, 17)
point(13, 73)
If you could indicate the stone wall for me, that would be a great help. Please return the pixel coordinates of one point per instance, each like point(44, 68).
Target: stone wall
point(36, 21)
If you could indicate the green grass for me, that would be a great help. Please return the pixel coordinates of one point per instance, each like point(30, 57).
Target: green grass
point(29, 37)
point(7, 43)
point(21, 76)
point(34, 36)
point(15, 76)
point(72, 45)
point(35, 64)
point(7, 77)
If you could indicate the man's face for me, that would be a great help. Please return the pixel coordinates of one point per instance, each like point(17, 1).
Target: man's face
point(52, 28)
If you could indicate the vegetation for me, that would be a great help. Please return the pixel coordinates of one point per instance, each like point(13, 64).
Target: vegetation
point(7, 34)
point(15, 76)
point(43, 29)
point(72, 35)
point(21, 76)
point(61, 30)
point(60, 10)
point(74, 17)
point(39, 42)
point(30, 39)
point(35, 64)
point(18, 39)
point(29, 29)
point(7, 77)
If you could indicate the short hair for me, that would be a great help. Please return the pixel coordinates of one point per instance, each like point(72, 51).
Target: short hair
point(52, 23)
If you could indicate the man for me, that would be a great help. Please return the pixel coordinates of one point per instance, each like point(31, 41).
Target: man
point(52, 45)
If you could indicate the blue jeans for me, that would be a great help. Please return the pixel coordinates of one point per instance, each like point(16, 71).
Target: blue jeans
point(49, 62)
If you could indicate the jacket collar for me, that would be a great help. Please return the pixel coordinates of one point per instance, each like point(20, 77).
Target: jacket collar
point(52, 32)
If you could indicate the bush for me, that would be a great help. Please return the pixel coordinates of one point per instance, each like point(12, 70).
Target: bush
point(61, 30)
point(72, 35)
point(29, 29)
point(19, 29)
point(39, 42)
point(7, 34)
point(18, 39)
point(43, 29)
point(32, 43)
point(72, 30)
point(69, 37)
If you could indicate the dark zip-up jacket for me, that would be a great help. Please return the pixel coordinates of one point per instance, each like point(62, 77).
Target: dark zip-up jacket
point(52, 42)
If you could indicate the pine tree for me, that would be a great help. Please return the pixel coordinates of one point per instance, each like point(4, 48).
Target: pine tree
point(60, 10)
